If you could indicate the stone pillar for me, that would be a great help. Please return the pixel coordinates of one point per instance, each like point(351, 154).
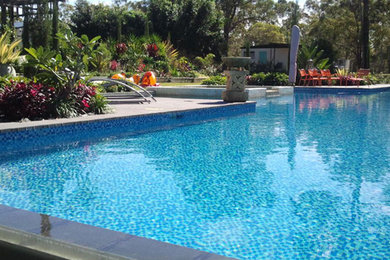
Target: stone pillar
point(236, 76)
point(235, 86)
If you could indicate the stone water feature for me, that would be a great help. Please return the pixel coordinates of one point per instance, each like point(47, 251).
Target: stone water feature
point(236, 76)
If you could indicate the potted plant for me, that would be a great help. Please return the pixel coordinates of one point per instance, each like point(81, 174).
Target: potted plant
point(8, 54)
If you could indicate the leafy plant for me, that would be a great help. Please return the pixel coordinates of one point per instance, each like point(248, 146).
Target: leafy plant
point(276, 79)
point(171, 54)
point(256, 79)
point(27, 100)
point(312, 53)
point(101, 59)
point(64, 70)
point(269, 79)
point(342, 72)
point(206, 64)
point(8, 51)
point(214, 80)
point(98, 104)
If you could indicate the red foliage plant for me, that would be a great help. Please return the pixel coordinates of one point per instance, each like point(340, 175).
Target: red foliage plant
point(114, 65)
point(152, 50)
point(83, 94)
point(121, 48)
point(27, 100)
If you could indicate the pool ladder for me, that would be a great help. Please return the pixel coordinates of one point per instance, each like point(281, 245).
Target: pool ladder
point(142, 92)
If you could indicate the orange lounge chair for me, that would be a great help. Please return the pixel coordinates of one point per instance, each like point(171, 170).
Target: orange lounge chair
point(328, 76)
point(317, 79)
point(304, 78)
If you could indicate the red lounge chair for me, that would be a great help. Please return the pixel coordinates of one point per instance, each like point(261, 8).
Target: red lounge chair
point(328, 76)
point(304, 78)
point(316, 77)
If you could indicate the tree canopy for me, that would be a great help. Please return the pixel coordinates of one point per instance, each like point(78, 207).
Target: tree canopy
point(357, 30)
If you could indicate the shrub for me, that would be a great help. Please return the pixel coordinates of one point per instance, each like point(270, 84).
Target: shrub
point(276, 79)
point(8, 51)
point(27, 100)
point(81, 101)
point(256, 79)
point(269, 79)
point(381, 78)
point(214, 80)
point(98, 104)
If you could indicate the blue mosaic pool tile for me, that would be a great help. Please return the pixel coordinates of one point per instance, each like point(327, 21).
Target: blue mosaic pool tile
point(43, 136)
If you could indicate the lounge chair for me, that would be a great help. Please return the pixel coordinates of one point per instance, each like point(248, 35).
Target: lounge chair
point(317, 78)
point(328, 76)
point(304, 78)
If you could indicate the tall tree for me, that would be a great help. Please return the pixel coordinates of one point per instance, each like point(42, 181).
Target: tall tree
point(240, 13)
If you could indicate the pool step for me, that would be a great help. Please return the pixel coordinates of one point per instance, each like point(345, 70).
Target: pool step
point(269, 93)
point(123, 98)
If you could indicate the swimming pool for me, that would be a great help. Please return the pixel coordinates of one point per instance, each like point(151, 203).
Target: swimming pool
point(305, 177)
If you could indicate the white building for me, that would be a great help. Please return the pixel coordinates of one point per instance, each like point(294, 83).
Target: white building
point(269, 57)
point(19, 29)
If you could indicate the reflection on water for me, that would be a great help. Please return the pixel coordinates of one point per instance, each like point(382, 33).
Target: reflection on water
point(306, 177)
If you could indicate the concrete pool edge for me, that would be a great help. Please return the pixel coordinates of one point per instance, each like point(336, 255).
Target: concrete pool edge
point(72, 240)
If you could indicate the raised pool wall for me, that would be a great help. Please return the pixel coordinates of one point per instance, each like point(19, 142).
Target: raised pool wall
point(254, 92)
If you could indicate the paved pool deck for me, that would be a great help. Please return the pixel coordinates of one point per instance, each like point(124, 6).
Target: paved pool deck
point(163, 105)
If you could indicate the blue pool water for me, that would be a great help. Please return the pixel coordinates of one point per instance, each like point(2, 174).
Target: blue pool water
point(307, 176)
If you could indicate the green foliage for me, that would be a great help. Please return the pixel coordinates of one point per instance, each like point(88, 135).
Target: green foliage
point(207, 64)
point(263, 33)
point(311, 53)
point(268, 79)
point(256, 79)
point(64, 70)
point(106, 21)
point(8, 51)
point(66, 108)
point(99, 104)
point(101, 58)
point(382, 78)
point(214, 80)
point(193, 26)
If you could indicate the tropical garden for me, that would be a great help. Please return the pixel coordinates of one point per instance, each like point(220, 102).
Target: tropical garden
point(173, 39)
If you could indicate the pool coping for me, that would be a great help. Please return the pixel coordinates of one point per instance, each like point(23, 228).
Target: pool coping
point(72, 240)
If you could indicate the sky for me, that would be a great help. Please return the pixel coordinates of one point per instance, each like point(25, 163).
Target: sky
point(300, 2)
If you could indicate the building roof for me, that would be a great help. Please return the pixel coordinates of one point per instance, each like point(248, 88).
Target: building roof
point(270, 45)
